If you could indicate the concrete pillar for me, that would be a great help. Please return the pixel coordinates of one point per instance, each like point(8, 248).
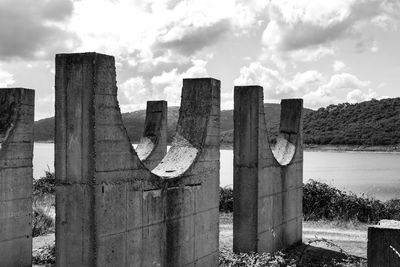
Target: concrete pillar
point(267, 180)
point(384, 245)
point(110, 209)
point(191, 168)
point(152, 146)
point(16, 152)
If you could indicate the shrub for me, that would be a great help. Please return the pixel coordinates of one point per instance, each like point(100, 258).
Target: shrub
point(226, 199)
point(41, 223)
point(45, 255)
point(322, 201)
point(45, 185)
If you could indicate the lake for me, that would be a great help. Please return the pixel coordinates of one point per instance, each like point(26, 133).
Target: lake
point(370, 173)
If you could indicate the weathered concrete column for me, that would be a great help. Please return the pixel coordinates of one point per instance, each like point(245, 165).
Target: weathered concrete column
point(152, 146)
point(384, 244)
point(191, 168)
point(109, 207)
point(267, 181)
point(16, 176)
point(111, 210)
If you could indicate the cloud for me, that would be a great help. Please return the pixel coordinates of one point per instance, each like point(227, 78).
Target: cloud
point(188, 39)
point(152, 32)
point(316, 89)
point(339, 66)
point(42, 104)
point(311, 54)
point(305, 26)
point(358, 96)
point(135, 91)
point(6, 78)
point(34, 30)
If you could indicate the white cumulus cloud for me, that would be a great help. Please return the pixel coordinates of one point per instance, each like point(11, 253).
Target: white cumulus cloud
point(6, 78)
point(317, 89)
point(338, 66)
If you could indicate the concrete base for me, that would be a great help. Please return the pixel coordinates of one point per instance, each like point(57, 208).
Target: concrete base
point(384, 245)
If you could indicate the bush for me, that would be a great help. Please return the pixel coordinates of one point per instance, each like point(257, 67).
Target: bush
point(41, 223)
point(225, 199)
point(322, 201)
point(45, 185)
point(43, 205)
point(45, 255)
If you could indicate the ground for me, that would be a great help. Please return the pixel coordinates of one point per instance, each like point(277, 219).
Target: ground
point(321, 239)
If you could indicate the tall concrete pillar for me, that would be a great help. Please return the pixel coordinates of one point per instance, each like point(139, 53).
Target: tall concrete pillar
point(152, 146)
point(16, 176)
point(111, 210)
point(191, 168)
point(109, 207)
point(267, 180)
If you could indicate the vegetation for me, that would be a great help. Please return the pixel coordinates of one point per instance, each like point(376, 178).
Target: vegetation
point(42, 223)
point(43, 205)
point(228, 258)
point(45, 185)
point(45, 255)
point(324, 202)
point(321, 201)
point(301, 255)
point(369, 123)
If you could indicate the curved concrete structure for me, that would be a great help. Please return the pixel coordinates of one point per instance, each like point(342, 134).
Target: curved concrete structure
point(152, 146)
point(110, 209)
point(16, 175)
point(267, 181)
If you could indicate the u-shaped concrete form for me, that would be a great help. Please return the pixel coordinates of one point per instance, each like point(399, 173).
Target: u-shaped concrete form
point(152, 146)
point(268, 181)
point(110, 209)
point(16, 175)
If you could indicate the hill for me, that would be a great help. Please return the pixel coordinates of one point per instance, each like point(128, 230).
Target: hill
point(369, 123)
point(134, 123)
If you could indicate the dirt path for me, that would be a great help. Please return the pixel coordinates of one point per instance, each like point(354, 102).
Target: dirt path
point(352, 239)
point(348, 238)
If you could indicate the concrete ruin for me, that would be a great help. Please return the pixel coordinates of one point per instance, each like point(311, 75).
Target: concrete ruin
point(384, 244)
point(152, 146)
point(16, 175)
point(110, 209)
point(268, 181)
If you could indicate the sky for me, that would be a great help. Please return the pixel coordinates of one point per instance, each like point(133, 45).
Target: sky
point(326, 52)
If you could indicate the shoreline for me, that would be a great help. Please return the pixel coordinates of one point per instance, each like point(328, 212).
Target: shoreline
point(315, 148)
point(338, 148)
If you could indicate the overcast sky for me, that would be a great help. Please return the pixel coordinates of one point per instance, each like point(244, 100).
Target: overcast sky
point(323, 51)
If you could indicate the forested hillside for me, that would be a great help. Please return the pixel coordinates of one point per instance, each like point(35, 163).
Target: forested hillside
point(370, 123)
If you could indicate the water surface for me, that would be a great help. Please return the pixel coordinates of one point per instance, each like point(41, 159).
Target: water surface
point(373, 174)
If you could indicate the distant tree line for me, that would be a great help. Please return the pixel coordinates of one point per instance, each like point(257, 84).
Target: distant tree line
point(370, 123)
